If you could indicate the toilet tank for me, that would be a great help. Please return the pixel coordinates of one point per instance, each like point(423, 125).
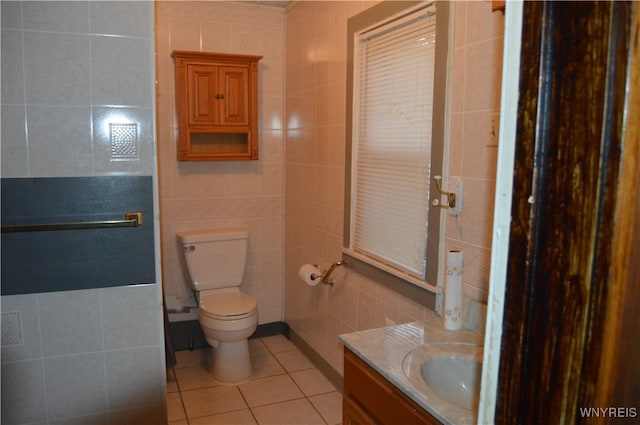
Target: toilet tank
point(215, 257)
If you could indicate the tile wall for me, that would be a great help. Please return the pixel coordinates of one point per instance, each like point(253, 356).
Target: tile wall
point(475, 119)
point(198, 195)
point(68, 70)
point(316, 92)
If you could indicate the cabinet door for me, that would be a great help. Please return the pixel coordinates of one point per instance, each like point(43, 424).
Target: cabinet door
point(204, 96)
point(353, 414)
point(234, 92)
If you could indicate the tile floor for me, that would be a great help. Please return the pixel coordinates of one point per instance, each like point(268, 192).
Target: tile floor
point(285, 388)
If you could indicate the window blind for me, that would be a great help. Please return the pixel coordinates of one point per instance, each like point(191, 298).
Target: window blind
point(394, 73)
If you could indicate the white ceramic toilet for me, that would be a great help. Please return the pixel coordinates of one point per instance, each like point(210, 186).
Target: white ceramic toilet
point(216, 262)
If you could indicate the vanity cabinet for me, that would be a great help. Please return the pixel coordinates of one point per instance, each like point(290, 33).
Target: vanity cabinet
point(369, 398)
point(217, 104)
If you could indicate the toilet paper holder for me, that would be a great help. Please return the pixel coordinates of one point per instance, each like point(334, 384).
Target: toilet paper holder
point(325, 276)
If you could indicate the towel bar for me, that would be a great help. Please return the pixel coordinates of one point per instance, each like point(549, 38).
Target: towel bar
point(131, 219)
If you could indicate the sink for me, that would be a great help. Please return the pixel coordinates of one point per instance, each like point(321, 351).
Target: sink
point(455, 379)
point(449, 371)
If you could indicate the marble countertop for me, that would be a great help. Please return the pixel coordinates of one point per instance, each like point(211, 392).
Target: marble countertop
point(384, 349)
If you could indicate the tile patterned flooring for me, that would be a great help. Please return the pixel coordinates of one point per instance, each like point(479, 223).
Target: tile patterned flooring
point(285, 388)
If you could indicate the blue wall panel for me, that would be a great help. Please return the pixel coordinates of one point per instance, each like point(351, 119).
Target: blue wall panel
point(48, 261)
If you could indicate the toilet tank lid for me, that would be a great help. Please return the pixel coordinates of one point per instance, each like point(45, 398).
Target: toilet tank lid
point(211, 235)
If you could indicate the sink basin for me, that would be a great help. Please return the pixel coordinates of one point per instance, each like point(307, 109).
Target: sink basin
point(455, 379)
point(450, 371)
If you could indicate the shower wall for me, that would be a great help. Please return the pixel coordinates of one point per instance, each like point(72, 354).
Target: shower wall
point(68, 70)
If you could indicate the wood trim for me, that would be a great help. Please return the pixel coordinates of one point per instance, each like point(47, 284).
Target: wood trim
point(622, 320)
point(568, 162)
point(182, 56)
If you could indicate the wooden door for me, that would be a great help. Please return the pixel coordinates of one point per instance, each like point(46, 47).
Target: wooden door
point(204, 94)
point(571, 332)
point(234, 88)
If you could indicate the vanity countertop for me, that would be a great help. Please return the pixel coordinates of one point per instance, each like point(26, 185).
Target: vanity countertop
point(384, 349)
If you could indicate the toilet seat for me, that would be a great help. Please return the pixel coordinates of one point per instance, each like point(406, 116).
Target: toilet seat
point(227, 306)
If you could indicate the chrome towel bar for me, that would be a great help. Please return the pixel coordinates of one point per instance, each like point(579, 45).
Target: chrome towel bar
point(131, 219)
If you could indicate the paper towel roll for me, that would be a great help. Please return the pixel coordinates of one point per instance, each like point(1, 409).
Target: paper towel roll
point(307, 271)
point(453, 297)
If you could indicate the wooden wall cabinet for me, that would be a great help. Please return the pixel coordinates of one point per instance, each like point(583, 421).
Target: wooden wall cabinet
point(217, 103)
point(369, 398)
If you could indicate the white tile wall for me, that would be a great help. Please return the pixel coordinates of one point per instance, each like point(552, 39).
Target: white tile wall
point(474, 145)
point(68, 69)
point(89, 352)
point(197, 195)
point(316, 92)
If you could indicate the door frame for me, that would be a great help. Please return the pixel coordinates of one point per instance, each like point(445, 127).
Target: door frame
point(567, 305)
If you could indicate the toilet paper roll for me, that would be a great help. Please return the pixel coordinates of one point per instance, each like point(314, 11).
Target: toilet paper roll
point(306, 273)
point(453, 297)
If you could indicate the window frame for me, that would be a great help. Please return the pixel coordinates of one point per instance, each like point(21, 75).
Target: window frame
point(427, 291)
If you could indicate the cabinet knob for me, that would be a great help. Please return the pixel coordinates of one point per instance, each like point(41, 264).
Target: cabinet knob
point(219, 96)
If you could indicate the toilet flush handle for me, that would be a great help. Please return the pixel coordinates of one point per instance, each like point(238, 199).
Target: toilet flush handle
point(190, 248)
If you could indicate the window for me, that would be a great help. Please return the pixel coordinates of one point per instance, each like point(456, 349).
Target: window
point(395, 139)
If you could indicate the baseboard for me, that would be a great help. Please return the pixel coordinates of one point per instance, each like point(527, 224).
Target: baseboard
point(187, 335)
point(318, 361)
point(271, 329)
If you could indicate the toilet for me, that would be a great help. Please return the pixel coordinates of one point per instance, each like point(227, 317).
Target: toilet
point(216, 261)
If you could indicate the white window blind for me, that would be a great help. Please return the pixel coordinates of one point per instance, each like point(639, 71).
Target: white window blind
point(393, 98)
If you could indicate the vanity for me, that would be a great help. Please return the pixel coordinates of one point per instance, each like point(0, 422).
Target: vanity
point(414, 373)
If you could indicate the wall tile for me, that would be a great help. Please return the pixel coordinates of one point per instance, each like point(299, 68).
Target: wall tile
point(458, 100)
point(132, 378)
point(76, 385)
point(185, 34)
point(479, 144)
point(475, 227)
point(14, 142)
point(94, 419)
point(63, 16)
point(27, 344)
point(11, 12)
point(483, 76)
point(61, 313)
point(216, 36)
point(460, 23)
point(64, 55)
point(150, 414)
point(60, 141)
point(482, 23)
point(121, 18)
point(118, 66)
point(23, 392)
point(12, 67)
point(129, 315)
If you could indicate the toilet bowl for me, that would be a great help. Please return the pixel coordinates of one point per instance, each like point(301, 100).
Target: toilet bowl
point(216, 261)
point(227, 323)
